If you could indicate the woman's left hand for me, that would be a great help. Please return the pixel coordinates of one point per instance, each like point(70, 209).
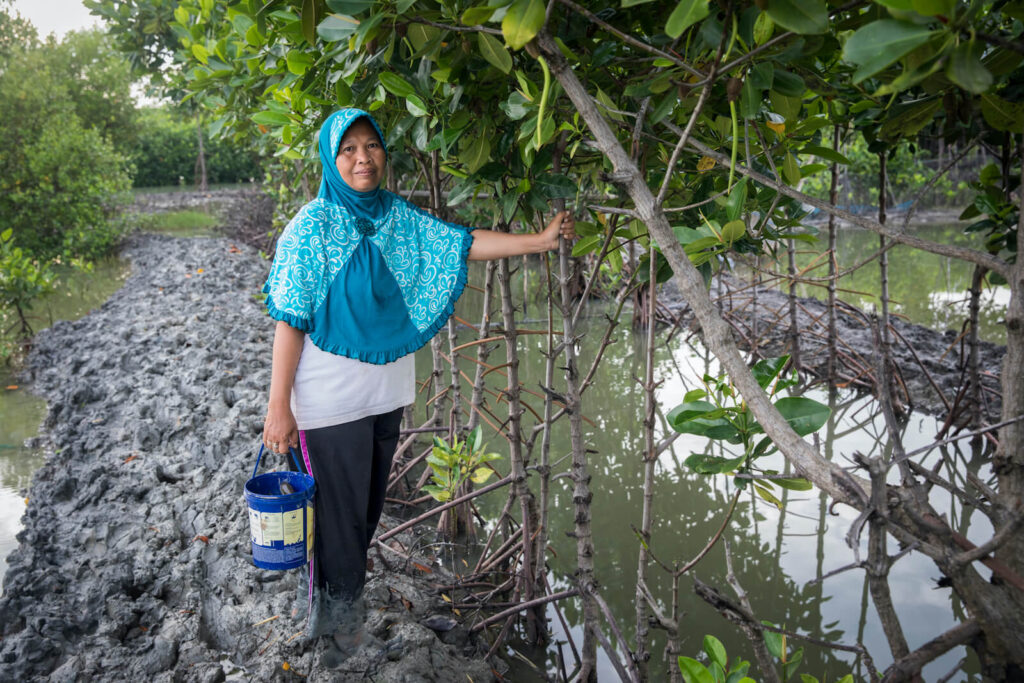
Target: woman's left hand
point(562, 225)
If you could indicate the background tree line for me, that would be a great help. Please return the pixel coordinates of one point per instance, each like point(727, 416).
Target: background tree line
point(73, 144)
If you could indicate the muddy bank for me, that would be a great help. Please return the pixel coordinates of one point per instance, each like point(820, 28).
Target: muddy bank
point(931, 365)
point(134, 560)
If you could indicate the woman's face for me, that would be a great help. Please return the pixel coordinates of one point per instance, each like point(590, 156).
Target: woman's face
point(361, 157)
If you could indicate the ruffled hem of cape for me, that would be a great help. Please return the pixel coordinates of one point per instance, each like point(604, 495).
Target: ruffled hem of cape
point(293, 320)
point(391, 355)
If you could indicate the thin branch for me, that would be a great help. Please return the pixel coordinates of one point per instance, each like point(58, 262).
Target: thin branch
point(519, 607)
point(704, 94)
point(970, 255)
point(905, 668)
point(639, 44)
point(439, 509)
point(457, 29)
point(963, 435)
point(935, 178)
point(989, 546)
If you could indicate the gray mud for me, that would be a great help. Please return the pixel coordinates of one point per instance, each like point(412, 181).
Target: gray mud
point(134, 562)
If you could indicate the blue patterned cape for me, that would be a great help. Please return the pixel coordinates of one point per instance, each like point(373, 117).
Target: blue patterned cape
point(370, 290)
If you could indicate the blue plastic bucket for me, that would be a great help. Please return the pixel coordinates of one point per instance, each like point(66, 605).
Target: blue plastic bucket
point(280, 524)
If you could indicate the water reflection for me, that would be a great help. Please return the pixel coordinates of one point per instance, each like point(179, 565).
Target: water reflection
point(777, 553)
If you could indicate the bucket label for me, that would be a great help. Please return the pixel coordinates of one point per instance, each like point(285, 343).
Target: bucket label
point(272, 525)
point(255, 528)
point(292, 526)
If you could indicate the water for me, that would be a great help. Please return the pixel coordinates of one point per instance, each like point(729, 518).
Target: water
point(776, 552)
point(21, 412)
point(924, 288)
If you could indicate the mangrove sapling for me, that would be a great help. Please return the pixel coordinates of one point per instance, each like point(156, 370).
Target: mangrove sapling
point(719, 670)
point(453, 466)
point(717, 413)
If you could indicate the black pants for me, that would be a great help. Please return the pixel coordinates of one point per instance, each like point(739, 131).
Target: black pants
point(350, 463)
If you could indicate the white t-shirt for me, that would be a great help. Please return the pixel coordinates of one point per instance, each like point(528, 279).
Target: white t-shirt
point(331, 389)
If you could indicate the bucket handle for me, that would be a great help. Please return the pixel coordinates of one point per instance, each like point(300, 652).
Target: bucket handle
point(295, 459)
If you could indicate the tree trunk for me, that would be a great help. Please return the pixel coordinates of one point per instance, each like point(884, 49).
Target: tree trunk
point(200, 170)
point(536, 631)
point(650, 457)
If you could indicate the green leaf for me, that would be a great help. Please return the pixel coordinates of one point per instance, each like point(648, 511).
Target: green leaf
point(966, 70)
point(337, 27)
point(765, 494)
point(494, 52)
point(713, 464)
point(791, 170)
point(737, 198)
point(481, 474)
point(767, 369)
point(522, 21)
point(686, 14)
point(733, 230)
point(270, 118)
point(694, 672)
point(200, 52)
point(788, 107)
point(911, 118)
point(750, 99)
point(421, 35)
point(395, 84)
point(799, 16)
point(880, 43)
point(1002, 115)
point(825, 153)
point(788, 83)
point(474, 16)
point(556, 186)
point(716, 651)
point(790, 667)
point(764, 27)
point(794, 484)
point(701, 418)
point(253, 36)
point(587, 245)
point(762, 75)
point(298, 61)
point(693, 394)
point(476, 153)
point(309, 21)
point(804, 415)
point(415, 106)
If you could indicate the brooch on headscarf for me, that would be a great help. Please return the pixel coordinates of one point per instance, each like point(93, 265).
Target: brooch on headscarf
point(365, 227)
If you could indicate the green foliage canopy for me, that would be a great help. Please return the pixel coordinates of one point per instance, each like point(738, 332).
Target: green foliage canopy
point(60, 174)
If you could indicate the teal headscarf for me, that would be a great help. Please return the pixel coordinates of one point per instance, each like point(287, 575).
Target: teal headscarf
point(372, 205)
point(366, 275)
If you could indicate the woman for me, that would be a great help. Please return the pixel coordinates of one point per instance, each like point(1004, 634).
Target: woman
point(361, 279)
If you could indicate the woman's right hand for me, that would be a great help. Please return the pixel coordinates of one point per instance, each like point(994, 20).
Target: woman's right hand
point(279, 430)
